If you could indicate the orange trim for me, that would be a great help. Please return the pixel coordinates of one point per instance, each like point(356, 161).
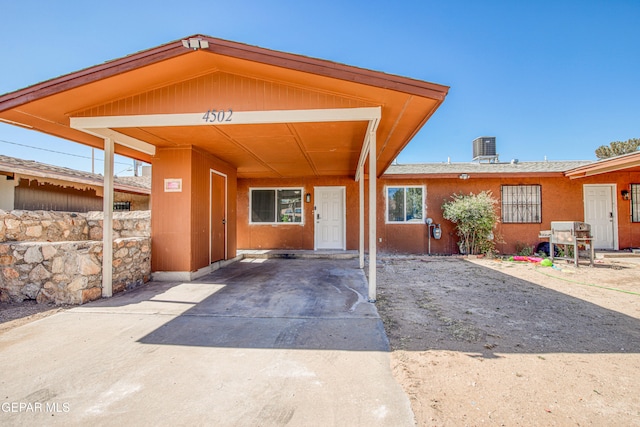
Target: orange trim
point(227, 48)
point(88, 75)
point(604, 166)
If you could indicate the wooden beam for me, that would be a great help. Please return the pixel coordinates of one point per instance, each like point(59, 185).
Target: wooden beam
point(122, 139)
point(227, 117)
point(372, 127)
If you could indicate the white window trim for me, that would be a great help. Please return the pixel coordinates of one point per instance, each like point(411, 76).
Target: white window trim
point(302, 194)
point(412, 221)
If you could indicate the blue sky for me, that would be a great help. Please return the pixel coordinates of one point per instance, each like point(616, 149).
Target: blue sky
point(546, 78)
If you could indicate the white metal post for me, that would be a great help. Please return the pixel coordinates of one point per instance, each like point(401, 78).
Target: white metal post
point(107, 221)
point(372, 216)
point(361, 208)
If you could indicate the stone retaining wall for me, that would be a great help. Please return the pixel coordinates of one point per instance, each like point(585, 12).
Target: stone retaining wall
point(56, 257)
point(69, 272)
point(51, 226)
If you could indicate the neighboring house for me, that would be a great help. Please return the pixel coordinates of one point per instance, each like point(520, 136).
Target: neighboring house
point(605, 194)
point(31, 185)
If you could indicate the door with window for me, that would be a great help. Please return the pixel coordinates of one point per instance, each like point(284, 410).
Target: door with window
point(330, 218)
point(599, 212)
point(218, 214)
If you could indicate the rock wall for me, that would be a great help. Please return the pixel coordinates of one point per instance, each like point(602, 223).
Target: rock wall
point(56, 257)
point(42, 226)
point(52, 226)
point(69, 272)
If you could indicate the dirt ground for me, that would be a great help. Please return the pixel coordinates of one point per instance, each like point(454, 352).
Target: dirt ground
point(16, 314)
point(499, 343)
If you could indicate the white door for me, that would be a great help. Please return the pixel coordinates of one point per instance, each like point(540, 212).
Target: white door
point(330, 217)
point(600, 213)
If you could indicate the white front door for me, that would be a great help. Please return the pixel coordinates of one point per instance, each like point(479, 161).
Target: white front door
point(330, 217)
point(600, 213)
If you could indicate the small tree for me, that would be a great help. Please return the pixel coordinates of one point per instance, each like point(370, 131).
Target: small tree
point(475, 218)
point(617, 148)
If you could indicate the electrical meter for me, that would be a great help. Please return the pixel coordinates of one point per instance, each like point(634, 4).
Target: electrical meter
point(437, 232)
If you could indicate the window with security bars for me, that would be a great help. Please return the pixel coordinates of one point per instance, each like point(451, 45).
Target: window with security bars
point(635, 202)
point(521, 204)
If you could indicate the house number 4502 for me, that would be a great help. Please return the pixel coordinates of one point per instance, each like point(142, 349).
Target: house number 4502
point(213, 116)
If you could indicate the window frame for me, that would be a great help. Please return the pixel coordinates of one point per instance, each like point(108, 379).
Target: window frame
point(422, 204)
point(538, 204)
point(635, 202)
point(276, 190)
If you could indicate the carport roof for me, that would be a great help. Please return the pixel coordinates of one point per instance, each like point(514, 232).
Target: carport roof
point(171, 80)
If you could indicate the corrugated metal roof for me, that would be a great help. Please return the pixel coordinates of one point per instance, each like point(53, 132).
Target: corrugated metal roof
point(498, 168)
point(43, 170)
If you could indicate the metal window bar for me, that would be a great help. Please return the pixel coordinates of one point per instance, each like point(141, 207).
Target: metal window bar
point(521, 204)
point(635, 202)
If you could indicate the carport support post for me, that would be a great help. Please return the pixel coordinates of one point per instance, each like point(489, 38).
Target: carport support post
point(372, 216)
point(107, 221)
point(361, 234)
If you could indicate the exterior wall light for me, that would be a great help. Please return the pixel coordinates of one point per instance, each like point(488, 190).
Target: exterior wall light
point(307, 197)
point(463, 176)
point(625, 194)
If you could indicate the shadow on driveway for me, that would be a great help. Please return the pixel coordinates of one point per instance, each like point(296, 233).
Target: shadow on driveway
point(281, 304)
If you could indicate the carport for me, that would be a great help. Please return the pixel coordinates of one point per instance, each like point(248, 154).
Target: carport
point(208, 113)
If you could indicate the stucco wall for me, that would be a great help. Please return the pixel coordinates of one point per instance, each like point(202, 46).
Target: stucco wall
point(181, 232)
point(562, 200)
point(293, 236)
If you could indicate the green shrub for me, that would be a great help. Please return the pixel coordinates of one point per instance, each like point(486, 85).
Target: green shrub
point(475, 218)
point(524, 249)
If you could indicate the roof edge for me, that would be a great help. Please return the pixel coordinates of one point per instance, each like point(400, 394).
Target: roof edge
point(612, 164)
point(228, 48)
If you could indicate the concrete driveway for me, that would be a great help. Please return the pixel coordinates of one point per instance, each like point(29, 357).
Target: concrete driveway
point(258, 343)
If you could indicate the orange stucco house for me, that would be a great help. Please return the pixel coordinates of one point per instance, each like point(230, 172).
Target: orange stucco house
point(250, 147)
point(257, 149)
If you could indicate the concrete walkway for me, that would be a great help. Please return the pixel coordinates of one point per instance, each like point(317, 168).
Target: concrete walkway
point(259, 343)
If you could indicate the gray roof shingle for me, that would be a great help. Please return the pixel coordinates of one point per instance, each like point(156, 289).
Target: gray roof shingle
point(37, 169)
point(498, 168)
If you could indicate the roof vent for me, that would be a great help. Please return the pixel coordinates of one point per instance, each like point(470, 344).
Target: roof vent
point(484, 148)
point(515, 161)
